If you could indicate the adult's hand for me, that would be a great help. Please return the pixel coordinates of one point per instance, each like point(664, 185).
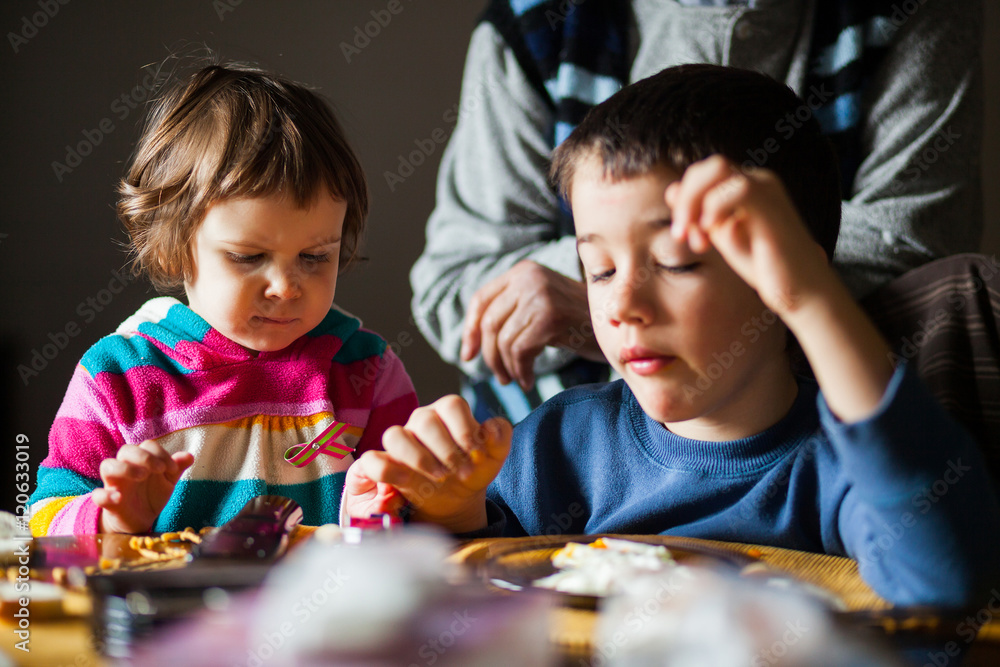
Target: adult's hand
point(512, 318)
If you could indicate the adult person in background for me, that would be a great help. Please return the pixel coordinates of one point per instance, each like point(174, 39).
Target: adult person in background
point(895, 85)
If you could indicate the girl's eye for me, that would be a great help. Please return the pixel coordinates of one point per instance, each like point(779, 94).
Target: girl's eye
point(682, 268)
point(601, 277)
point(315, 259)
point(243, 259)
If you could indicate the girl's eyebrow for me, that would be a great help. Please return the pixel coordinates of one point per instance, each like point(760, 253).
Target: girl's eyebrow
point(253, 243)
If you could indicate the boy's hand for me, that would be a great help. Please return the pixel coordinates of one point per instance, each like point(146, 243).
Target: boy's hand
point(750, 219)
point(137, 484)
point(442, 460)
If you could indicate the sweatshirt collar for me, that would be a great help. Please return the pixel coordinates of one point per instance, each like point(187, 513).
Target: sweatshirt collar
point(733, 457)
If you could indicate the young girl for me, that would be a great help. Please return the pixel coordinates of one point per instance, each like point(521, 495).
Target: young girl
point(245, 193)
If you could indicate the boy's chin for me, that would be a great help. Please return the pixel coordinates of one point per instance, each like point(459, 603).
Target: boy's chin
point(667, 408)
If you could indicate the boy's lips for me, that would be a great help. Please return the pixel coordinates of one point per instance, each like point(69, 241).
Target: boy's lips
point(643, 361)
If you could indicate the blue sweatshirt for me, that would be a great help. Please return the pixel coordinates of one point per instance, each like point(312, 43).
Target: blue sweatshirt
point(905, 492)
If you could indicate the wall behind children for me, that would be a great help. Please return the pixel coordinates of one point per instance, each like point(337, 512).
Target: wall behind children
point(75, 78)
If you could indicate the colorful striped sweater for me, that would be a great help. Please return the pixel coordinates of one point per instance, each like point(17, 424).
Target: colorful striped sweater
point(166, 375)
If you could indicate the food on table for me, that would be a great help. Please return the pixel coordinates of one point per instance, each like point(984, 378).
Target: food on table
point(596, 568)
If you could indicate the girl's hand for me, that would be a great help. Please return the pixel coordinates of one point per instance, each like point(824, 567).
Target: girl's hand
point(750, 219)
point(138, 483)
point(441, 461)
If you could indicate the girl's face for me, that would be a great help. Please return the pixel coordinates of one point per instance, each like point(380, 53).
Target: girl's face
point(264, 270)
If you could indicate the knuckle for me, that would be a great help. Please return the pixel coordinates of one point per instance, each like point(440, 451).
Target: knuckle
point(450, 402)
point(421, 419)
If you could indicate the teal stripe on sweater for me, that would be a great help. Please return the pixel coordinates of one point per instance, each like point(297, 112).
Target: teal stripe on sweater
point(202, 503)
point(180, 324)
point(360, 346)
point(336, 323)
point(61, 482)
point(117, 354)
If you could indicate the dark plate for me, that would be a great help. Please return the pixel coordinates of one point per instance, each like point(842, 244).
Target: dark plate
point(515, 566)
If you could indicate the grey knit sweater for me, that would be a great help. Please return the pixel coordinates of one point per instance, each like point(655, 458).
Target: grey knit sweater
point(916, 196)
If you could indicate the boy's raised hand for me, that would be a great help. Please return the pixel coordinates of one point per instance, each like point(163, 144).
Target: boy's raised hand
point(441, 461)
point(138, 483)
point(750, 219)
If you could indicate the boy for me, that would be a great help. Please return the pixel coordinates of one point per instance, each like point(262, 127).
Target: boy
point(690, 261)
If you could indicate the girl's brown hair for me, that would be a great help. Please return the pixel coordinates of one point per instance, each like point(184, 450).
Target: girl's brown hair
point(232, 131)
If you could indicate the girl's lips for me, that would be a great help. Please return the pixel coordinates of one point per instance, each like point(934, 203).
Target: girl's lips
point(279, 321)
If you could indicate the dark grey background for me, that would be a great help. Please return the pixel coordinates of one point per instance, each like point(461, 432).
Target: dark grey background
point(59, 240)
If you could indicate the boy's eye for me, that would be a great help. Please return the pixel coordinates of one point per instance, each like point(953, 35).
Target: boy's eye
point(601, 277)
point(315, 259)
point(243, 259)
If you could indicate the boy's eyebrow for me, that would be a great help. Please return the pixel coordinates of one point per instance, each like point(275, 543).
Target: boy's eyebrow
point(655, 224)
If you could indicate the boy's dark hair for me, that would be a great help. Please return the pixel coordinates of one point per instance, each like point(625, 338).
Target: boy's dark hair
point(232, 131)
point(688, 113)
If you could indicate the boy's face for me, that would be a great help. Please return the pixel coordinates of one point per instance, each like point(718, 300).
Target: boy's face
point(265, 271)
point(693, 341)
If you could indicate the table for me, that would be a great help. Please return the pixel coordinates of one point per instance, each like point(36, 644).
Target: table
point(66, 642)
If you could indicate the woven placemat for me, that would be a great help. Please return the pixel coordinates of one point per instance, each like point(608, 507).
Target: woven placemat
point(573, 629)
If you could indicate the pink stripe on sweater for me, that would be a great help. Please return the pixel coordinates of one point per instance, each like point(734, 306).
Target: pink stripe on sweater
point(80, 517)
point(145, 392)
point(81, 445)
point(392, 413)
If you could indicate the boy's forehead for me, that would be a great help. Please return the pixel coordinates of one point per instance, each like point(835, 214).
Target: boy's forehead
point(600, 200)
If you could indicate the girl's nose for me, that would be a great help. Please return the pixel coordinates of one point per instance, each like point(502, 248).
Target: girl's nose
point(283, 284)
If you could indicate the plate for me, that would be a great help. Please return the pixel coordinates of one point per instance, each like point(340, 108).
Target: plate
point(515, 566)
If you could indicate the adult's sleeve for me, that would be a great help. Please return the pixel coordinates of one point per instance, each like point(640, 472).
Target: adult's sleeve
point(494, 206)
point(917, 194)
point(920, 515)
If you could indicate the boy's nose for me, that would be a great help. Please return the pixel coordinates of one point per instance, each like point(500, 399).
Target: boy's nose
point(629, 303)
point(283, 284)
